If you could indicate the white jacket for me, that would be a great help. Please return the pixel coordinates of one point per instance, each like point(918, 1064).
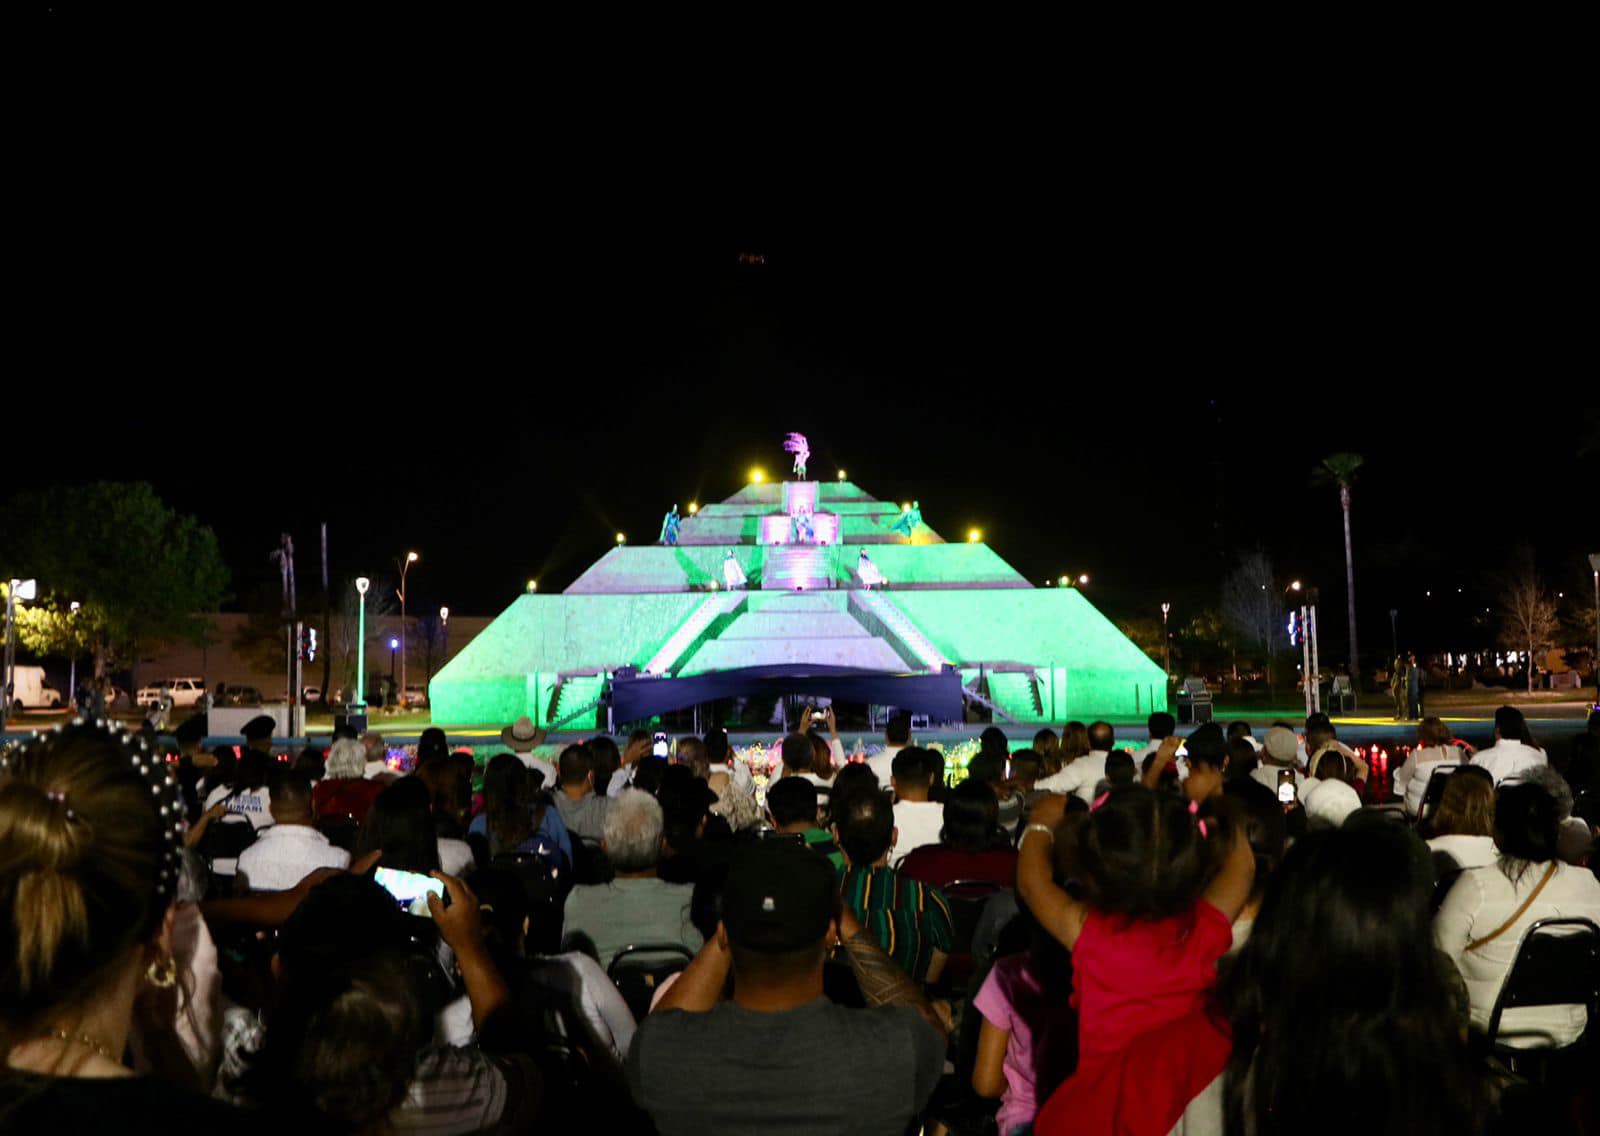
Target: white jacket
point(1484, 898)
point(1411, 779)
point(1506, 759)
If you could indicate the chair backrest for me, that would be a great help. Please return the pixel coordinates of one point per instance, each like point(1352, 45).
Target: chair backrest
point(638, 970)
point(1341, 686)
point(1557, 964)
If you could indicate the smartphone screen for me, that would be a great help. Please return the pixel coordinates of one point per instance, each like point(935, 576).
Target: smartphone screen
point(410, 889)
point(660, 749)
point(1286, 790)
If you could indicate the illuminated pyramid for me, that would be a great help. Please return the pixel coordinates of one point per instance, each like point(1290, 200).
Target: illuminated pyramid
point(654, 628)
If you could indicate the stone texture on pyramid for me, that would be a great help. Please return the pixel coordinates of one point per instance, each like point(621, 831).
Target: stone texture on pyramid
point(1046, 653)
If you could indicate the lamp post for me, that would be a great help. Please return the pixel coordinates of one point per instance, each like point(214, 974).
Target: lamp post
point(1594, 562)
point(393, 644)
point(15, 590)
point(362, 584)
point(444, 624)
point(72, 672)
point(1394, 630)
point(411, 558)
point(1166, 640)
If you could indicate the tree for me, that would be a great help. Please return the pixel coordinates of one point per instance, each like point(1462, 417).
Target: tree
point(1528, 618)
point(141, 571)
point(1340, 470)
point(1250, 605)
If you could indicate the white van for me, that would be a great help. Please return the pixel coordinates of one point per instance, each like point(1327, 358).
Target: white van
point(31, 691)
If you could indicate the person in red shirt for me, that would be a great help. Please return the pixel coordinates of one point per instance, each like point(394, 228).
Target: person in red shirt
point(344, 790)
point(972, 845)
point(1164, 879)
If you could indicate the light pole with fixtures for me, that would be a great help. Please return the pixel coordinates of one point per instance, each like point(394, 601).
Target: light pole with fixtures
point(15, 590)
point(362, 584)
point(72, 673)
point(411, 558)
point(1594, 562)
point(444, 623)
point(1166, 640)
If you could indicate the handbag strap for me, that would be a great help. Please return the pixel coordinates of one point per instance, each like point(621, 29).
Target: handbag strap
point(1517, 914)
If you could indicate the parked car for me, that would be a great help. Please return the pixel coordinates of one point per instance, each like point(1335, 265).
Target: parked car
point(239, 696)
point(31, 691)
point(414, 695)
point(185, 692)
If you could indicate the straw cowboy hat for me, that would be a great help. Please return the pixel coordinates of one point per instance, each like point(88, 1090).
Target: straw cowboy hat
point(522, 735)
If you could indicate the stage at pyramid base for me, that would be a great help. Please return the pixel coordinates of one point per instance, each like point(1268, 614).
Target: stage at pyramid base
point(830, 598)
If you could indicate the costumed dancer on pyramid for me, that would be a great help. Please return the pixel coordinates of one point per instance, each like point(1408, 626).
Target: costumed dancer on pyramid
point(906, 523)
point(871, 576)
point(797, 445)
point(805, 530)
point(669, 527)
point(732, 575)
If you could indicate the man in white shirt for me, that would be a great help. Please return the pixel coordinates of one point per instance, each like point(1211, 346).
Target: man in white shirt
point(720, 754)
point(1511, 752)
point(917, 820)
point(1161, 726)
point(1087, 771)
point(1280, 751)
point(896, 737)
point(639, 743)
point(522, 737)
point(291, 849)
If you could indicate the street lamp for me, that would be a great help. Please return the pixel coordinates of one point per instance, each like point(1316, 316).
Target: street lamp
point(393, 644)
point(362, 584)
point(16, 590)
point(411, 558)
point(444, 623)
point(72, 673)
point(1594, 562)
point(1166, 638)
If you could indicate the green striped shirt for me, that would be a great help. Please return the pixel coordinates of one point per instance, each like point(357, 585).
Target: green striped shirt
point(909, 920)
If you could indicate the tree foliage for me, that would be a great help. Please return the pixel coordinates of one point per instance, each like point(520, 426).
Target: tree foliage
point(141, 571)
point(1251, 605)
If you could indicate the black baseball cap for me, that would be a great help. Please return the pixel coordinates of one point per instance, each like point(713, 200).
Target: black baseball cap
point(779, 897)
point(261, 726)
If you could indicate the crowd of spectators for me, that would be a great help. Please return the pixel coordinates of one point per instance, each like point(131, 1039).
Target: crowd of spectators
point(1194, 934)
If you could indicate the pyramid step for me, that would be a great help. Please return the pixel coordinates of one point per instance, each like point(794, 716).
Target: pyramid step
point(795, 625)
point(862, 652)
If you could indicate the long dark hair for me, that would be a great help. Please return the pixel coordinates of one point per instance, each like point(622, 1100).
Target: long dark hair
point(972, 818)
point(512, 808)
point(1340, 1006)
point(401, 824)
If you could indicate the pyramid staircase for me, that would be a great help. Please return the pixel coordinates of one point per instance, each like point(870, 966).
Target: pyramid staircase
point(775, 628)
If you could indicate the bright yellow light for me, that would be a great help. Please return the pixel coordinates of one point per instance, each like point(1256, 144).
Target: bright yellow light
point(1062, 582)
point(412, 558)
point(906, 507)
point(1083, 579)
point(757, 475)
point(841, 475)
point(693, 508)
point(533, 585)
point(974, 536)
point(1295, 585)
point(622, 537)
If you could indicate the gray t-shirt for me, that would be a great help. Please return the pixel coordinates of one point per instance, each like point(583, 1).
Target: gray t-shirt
point(603, 918)
point(818, 1068)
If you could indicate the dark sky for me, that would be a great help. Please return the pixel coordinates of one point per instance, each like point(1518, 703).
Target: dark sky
point(498, 344)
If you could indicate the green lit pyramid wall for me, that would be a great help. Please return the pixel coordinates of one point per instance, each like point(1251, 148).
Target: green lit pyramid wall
point(1049, 655)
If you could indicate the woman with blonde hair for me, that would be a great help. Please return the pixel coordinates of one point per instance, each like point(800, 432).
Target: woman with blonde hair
point(1074, 744)
point(91, 840)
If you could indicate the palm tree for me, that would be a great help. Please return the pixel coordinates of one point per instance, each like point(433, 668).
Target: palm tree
point(1340, 470)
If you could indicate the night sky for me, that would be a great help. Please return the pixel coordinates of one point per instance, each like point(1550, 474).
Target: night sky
point(500, 346)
